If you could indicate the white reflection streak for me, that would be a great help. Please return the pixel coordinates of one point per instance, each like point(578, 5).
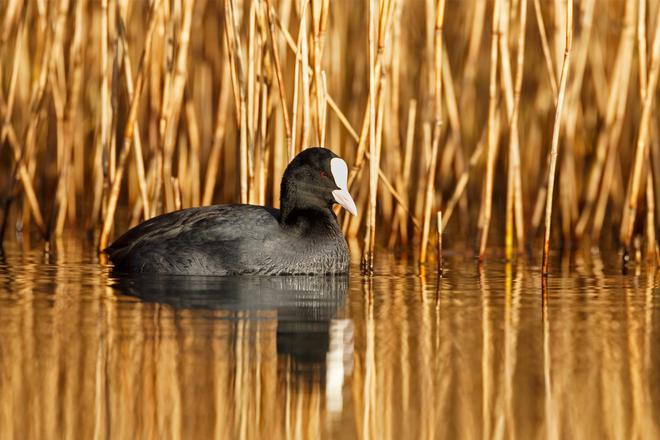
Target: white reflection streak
point(338, 363)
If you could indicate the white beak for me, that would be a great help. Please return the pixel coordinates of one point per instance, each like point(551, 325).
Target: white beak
point(339, 171)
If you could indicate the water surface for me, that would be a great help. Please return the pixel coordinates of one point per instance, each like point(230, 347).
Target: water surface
point(483, 352)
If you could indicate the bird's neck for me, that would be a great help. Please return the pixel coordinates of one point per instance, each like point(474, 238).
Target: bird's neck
point(308, 218)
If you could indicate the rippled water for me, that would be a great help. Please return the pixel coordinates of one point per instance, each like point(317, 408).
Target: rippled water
point(483, 352)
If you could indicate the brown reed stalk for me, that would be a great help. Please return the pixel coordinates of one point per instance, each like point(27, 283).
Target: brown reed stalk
point(403, 178)
point(176, 186)
point(542, 191)
point(218, 138)
point(99, 180)
point(597, 65)
point(13, 11)
point(555, 135)
point(320, 24)
point(464, 178)
point(383, 32)
point(439, 223)
point(396, 195)
point(630, 207)
point(105, 99)
point(651, 256)
point(468, 93)
point(514, 180)
point(195, 147)
point(8, 107)
point(278, 72)
point(546, 48)
point(230, 50)
point(393, 120)
point(183, 167)
point(159, 82)
point(486, 206)
point(63, 153)
point(342, 118)
point(252, 99)
point(106, 109)
point(376, 79)
point(379, 144)
point(237, 68)
point(8, 133)
point(175, 103)
point(454, 150)
point(608, 138)
point(57, 81)
point(344, 121)
point(296, 99)
point(609, 173)
point(641, 46)
point(128, 132)
point(166, 56)
point(137, 140)
point(73, 119)
point(24, 177)
point(569, 187)
point(362, 137)
point(323, 106)
point(437, 115)
point(305, 73)
point(367, 252)
point(264, 156)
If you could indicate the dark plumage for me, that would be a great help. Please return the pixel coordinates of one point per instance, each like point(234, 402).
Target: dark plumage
point(303, 237)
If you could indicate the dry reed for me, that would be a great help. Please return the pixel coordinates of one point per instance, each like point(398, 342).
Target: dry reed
point(486, 207)
point(68, 101)
point(367, 259)
point(563, 78)
point(437, 124)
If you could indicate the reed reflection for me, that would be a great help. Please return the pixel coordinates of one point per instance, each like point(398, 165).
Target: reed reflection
point(498, 351)
point(493, 351)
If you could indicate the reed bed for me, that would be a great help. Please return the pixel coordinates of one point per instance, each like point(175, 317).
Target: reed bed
point(116, 111)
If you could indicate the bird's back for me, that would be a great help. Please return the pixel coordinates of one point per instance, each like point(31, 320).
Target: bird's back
point(226, 240)
point(210, 240)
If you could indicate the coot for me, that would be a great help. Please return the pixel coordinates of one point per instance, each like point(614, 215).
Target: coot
point(302, 237)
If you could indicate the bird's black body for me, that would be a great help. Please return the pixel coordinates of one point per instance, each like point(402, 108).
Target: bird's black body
point(301, 238)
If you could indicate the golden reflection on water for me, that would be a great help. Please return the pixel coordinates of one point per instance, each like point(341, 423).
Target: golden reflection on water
point(488, 352)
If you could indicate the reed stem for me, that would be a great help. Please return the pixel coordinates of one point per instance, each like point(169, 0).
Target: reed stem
point(368, 257)
point(437, 101)
point(630, 207)
point(486, 206)
point(563, 78)
point(128, 134)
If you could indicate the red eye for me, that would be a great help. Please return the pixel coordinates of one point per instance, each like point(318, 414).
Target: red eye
point(323, 174)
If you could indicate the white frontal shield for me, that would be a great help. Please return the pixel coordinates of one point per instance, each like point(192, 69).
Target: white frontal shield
point(340, 175)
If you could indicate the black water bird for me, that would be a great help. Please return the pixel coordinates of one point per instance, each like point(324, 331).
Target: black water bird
point(302, 237)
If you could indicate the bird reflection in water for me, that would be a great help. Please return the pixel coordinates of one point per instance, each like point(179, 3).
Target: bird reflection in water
point(312, 338)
